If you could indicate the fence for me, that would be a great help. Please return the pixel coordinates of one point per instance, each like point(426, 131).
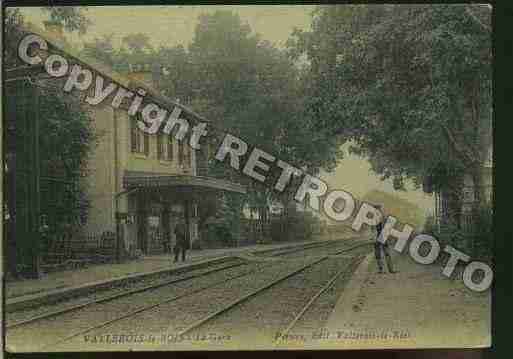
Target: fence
point(219, 234)
point(70, 250)
point(467, 223)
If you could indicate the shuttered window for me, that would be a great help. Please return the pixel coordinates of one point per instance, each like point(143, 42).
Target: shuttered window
point(187, 155)
point(139, 140)
point(160, 146)
point(133, 134)
point(146, 143)
point(180, 152)
point(170, 147)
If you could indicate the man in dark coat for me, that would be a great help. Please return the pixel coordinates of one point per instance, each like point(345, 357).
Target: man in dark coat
point(382, 248)
point(181, 241)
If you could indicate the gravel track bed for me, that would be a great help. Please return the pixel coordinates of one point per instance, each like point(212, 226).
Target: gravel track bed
point(28, 313)
point(128, 286)
point(317, 250)
point(360, 250)
point(50, 329)
point(172, 317)
point(256, 322)
point(167, 318)
point(311, 324)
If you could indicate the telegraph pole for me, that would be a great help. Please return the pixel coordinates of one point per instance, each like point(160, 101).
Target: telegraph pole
point(32, 165)
point(35, 192)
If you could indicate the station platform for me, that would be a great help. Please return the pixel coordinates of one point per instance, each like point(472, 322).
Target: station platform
point(415, 308)
point(65, 279)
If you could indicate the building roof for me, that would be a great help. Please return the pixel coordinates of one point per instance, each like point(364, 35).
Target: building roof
point(57, 44)
point(137, 179)
point(134, 179)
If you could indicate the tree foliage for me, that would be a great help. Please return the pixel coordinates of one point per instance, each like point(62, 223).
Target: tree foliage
point(253, 89)
point(410, 84)
point(71, 17)
point(243, 85)
point(65, 137)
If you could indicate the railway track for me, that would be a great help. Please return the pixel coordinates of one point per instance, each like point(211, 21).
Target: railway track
point(196, 325)
point(187, 293)
point(109, 298)
point(329, 284)
point(157, 284)
point(304, 248)
point(240, 300)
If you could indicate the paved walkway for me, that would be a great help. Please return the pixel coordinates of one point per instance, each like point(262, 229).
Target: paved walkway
point(417, 307)
point(94, 273)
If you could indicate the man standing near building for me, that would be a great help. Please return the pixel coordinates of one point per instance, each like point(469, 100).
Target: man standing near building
point(382, 248)
point(181, 242)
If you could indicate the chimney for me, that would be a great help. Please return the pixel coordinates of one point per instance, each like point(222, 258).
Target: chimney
point(141, 73)
point(55, 30)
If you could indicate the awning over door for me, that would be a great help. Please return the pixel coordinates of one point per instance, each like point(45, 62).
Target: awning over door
point(136, 179)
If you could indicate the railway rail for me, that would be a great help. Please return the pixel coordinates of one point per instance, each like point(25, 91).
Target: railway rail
point(257, 291)
point(329, 284)
point(156, 284)
point(203, 290)
point(116, 296)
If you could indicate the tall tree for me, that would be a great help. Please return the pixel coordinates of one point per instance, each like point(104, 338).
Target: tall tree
point(137, 43)
point(243, 85)
point(102, 50)
point(73, 18)
point(253, 89)
point(411, 84)
point(65, 138)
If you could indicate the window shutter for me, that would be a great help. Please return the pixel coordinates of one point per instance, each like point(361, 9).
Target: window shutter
point(146, 144)
point(187, 155)
point(159, 146)
point(180, 152)
point(133, 134)
point(170, 147)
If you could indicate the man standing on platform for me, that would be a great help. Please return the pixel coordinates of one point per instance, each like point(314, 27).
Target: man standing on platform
point(181, 242)
point(382, 248)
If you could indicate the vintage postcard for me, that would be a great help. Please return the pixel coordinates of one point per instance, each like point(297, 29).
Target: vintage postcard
point(246, 177)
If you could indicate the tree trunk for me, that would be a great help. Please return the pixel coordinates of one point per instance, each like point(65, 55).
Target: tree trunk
point(478, 188)
point(260, 223)
point(481, 144)
point(452, 196)
point(10, 195)
point(264, 222)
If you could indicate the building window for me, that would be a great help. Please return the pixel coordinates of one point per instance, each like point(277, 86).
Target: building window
point(184, 153)
point(187, 155)
point(134, 138)
point(146, 143)
point(170, 147)
point(160, 146)
point(180, 152)
point(140, 140)
point(164, 147)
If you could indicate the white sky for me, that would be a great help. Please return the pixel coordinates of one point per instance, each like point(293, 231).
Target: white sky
point(171, 25)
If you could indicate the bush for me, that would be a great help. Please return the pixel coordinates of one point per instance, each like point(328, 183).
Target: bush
point(218, 235)
point(449, 234)
point(476, 241)
point(483, 233)
point(300, 227)
point(430, 226)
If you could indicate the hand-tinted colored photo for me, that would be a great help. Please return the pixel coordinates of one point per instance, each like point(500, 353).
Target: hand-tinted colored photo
point(247, 177)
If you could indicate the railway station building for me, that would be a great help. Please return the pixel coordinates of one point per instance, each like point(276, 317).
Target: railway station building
point(140, 186)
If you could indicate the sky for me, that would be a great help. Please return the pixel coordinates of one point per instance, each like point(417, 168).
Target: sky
point(172, 25)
